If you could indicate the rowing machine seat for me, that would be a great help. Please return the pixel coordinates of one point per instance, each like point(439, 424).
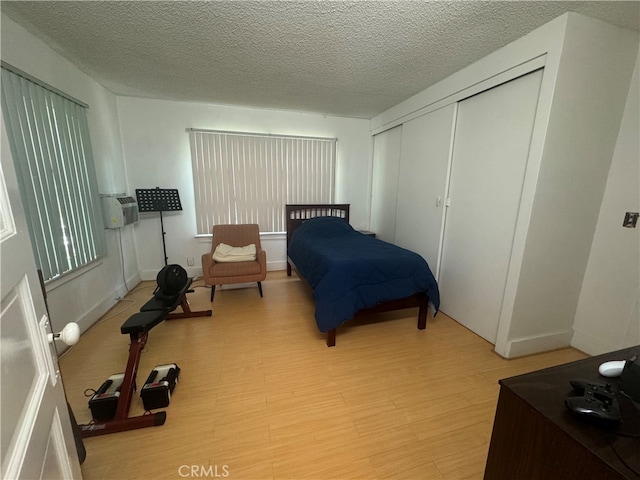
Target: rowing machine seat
point(143, 322)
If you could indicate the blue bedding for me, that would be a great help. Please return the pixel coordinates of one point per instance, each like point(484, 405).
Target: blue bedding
point(350, 271)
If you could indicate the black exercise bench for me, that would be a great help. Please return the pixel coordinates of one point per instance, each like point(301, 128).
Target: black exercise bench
point(165, 300)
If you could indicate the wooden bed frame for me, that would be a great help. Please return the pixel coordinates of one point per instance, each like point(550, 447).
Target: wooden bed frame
point(297, 214)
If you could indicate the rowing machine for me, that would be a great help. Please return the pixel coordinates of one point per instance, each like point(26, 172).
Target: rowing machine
point(173, 286)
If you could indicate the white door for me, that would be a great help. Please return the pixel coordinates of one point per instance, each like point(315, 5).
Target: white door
point(37, 438)
point(490, 152)
point(422, 180)
point(384, 185)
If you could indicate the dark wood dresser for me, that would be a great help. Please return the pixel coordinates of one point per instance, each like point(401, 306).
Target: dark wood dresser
point(536, 437)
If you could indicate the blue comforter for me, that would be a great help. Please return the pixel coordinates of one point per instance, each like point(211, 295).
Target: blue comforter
point(350, 271)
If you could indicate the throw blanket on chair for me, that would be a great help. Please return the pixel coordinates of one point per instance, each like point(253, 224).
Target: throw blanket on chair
point(227, 253)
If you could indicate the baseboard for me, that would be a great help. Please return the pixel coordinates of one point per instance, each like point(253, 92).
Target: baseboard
point(92, 316)
point(537, 344)
point(147, 275)
point(276, 266)
point(195, 272)
point(89, 319)
point(132, 281)
point(152, 275)
point(591, 345)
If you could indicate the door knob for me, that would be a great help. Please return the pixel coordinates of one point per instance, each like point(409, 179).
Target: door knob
point(69, 335)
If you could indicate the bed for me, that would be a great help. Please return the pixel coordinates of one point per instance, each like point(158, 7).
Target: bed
point(351, 272)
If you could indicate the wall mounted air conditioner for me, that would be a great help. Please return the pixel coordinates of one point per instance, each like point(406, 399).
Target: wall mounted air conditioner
point(119, 210)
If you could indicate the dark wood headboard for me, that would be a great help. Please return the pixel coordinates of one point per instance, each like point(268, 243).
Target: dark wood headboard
point(296, 214)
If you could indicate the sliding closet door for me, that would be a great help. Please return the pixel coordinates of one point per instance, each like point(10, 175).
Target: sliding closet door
point(422, 180)
point(491, 146)
point(384, 188)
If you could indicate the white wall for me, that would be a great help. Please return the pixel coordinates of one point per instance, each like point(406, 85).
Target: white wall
point(86, 297)
point(593, 82)
point(588, 67)
point(157, 154)
point(608, 314)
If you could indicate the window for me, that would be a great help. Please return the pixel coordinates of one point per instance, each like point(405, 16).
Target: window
point(249, 178)
point(49, 139)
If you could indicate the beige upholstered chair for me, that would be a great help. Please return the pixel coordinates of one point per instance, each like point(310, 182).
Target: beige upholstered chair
point(223, 273)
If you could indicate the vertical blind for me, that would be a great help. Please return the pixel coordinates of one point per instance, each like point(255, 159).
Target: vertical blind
point(249, 178)
point(49, 140)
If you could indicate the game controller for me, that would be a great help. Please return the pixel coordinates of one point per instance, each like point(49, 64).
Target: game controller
point(595, 401)
point(584, 387)
point(603, 409)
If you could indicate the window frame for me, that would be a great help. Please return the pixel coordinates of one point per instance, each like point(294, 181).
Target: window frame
point(50, 144)
point(245, 177)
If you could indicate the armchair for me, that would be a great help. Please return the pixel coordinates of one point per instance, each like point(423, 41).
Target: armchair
point(223, 273)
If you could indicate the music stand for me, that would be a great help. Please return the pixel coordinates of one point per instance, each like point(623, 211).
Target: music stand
point(159, 200)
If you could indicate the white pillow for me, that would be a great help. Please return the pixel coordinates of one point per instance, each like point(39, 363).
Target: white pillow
point(227, 253)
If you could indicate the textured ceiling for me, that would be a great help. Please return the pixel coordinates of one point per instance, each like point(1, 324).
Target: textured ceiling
point(348, 58)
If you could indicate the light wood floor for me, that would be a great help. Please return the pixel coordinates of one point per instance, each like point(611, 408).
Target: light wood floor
point(261, 396)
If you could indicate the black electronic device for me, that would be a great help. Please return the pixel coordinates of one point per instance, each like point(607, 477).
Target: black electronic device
point(594, 401)
point(156, 392)
point(584, 387)
point(104, 402)
point(630, 379)
point(171, 279)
